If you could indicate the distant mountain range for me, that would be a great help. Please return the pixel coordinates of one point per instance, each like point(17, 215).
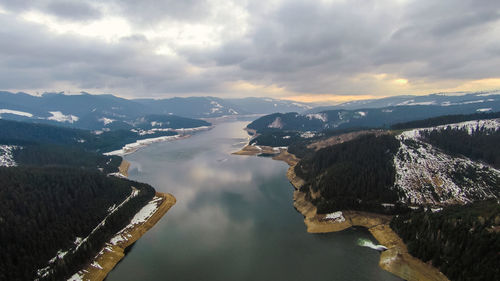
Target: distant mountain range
point(439, 99)
point(379, 113)
point(97, 112)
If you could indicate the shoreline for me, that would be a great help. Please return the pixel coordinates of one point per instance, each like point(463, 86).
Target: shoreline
point(130, 148)
point(114, 250)
point(395, 259)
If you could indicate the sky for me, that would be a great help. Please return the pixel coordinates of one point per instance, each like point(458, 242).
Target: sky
point(307, 50)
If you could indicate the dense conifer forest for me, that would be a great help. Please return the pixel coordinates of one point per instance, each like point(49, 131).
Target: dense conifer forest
point(462, 241)
point(481, 145)
point(63, 155)
point(354, 175)
point(44, 210)
point(443, 120)
point(22, 133)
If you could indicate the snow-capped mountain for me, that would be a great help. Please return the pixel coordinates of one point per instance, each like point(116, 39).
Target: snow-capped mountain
point(404, 111)
point(439, 99)
point(97, 112)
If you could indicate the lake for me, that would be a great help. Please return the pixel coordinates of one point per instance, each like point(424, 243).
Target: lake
point(234, 219)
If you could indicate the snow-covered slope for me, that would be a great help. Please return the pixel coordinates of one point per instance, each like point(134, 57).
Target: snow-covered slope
point(6, 157)
point(426, 175)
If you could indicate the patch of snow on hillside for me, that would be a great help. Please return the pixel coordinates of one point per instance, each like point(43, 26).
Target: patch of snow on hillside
point(448, 103)
point(301, 105)
point(142, 216)
point(60, 117)
point(156, 124)
point(427, 176)
point(412, 102)
point(321, 116)
point(106, 121)
point(217, 107)
point(79, 241)
point(470, 126)
point(6, 156)
point(15, 112)
point(387, 110)
point(487, 94)
point(362, 113)
point(335, 216)
point(232, 111)
point(307, 135)
point(276, 123)
point(484, 109)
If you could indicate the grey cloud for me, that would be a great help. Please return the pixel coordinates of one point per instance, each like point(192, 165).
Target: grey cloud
point(73, 10)
point(34, 58)
point(150, 12)
point(303, 46)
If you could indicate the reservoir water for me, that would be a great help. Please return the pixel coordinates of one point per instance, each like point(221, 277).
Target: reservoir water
point(234, 220)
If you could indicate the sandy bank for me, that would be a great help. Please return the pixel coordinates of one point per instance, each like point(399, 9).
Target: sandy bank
point(252, 150)
point(113, 251)
point(123, 168)
point(396, 259)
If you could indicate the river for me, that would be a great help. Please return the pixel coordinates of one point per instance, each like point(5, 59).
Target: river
point(234, 220)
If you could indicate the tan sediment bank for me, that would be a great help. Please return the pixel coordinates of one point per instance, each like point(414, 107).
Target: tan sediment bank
point(123, 168)
point(112, 253)
point(396, 259)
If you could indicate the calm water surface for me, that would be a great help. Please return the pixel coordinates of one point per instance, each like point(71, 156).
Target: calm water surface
point(234, 220)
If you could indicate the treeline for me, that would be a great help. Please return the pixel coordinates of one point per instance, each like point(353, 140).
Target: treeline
point(22, 133)
point(277, 138)
point(44, 210)
point(443, 120)
point(358, 174)
point(63, 155)
point(462, 241)
point(482, 144)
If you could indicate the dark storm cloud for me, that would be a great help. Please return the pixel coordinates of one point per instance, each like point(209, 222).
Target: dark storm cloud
point(302, 46)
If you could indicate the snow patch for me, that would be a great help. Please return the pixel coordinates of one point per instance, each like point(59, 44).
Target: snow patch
point(60, 117)
point(335, 216)
point(412, 102)
point(484, 109)
point(15, 112)
point(6, 155)
point(106, 121)
point(427, 176)
point(307, 135)
point(276, 123)
point(320, 116)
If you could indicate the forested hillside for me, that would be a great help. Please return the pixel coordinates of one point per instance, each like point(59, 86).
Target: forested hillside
point(442, 120)
point(354, 175)
point(462, 241)
point(22, 133)
point(479, 144)
point(49, 212)
point(61, 155)
point(362, 118)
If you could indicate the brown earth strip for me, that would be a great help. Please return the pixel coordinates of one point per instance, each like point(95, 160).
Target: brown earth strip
point(111, 254)
point(123, 168)
point(396, 259)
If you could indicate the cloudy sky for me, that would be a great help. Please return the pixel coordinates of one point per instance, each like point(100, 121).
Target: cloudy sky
point(308, 50)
